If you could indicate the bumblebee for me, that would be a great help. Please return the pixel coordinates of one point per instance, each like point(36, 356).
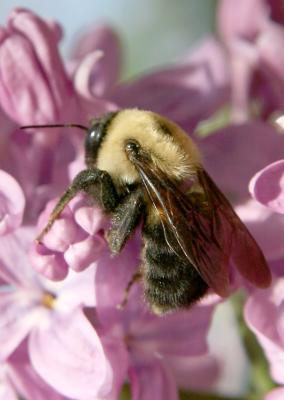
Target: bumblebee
point(144, 169)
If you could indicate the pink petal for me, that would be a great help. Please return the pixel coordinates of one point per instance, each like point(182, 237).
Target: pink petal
point(74, 362)
point(91, 219)
point(118, 355)
point(7, 392)
point(187, 92)
point(195, 373)
point(267, 186)
point(22, 87)
point(45, 46)
point(80, 255)
point(152, 381)
point(103, 73)
point(168, 334)
point(234, 154)
point(18, 316)
point(64, 230)
point(270, 50)
point(276, 394)
point(28, 384)
point(261, 314)
point(76, 289)
point(234, 24)
point(266, 227)
point(82, 75)
point(12, 203)
point(50, 264)
point(244, 59)
point(112, 276)
point(15, 268)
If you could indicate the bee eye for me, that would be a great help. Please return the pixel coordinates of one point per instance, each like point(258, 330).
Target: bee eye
point(131, 146)
point(93, 139)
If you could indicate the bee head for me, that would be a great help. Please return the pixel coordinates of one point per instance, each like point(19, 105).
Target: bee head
point(95, 136)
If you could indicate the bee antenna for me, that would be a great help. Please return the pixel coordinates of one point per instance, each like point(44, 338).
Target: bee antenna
point(85, 128)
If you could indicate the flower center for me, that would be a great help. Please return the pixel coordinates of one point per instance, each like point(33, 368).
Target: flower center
point(48, 300)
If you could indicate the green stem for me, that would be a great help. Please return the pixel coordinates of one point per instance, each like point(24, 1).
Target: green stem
point(261, 382)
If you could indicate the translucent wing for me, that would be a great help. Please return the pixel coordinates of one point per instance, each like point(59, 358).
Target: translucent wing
point(208, 235)
point(245, 252)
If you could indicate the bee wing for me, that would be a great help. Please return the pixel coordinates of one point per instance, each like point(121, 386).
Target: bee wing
point(188, 232)
point(245, 252)
point(206, 239)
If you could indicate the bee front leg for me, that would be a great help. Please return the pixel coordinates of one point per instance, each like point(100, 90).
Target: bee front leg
point(96, 183)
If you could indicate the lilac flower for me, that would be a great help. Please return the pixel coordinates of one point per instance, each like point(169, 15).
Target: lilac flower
point(158, 348)
point(19, 379)
point(47, 313)
point(276, 394)
point(34, 91)
point(232, 156)
point(97, 56)
point(267, 186)
point(256, 54)
point(94, 347)
point(77, 249)
point(38, 91)
point(264, 315)
point(12, 203)
point(187, 92)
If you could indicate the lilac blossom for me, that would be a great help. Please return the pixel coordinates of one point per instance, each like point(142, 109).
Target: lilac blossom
point(264, 315)
point(12, 202)
point(267, 186)
point(19, 379)
point(276, 394)
point(81, 247)
point(255, 54)
point(240, 152)
point(106, 343)
point(159, 348)
point(38, 91)
point(43, 312)
point(93, 345)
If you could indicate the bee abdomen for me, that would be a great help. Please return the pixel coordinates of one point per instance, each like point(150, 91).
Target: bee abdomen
point(170, 282)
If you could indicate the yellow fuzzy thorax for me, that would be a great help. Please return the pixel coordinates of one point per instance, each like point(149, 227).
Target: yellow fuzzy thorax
point(174, 153)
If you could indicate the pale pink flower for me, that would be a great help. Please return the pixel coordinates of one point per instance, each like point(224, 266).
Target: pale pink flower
point(12, 203)
point(36, 91)
point(64, 348)
point(264, 315)
point(267, 186)
point(255, 48)
point(18, 379)
point(159, 348)
point(232, 156)
point(276, 394)
point(75, 240)
point(105, 346)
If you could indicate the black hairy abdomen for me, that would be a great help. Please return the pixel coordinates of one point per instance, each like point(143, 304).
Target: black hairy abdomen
point(170, 281)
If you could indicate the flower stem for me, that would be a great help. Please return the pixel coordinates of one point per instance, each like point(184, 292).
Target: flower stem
point(260, 382)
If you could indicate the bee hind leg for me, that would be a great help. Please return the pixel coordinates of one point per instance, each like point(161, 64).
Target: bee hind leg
point(136, 277)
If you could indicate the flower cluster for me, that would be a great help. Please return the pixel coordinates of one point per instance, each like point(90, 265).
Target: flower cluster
point(62, 333)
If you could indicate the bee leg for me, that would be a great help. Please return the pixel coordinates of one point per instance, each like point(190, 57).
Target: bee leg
point(125, 218)
point(95, 183)
point(136, 277)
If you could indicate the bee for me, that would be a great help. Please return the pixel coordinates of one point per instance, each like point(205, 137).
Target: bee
point(143, 169)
